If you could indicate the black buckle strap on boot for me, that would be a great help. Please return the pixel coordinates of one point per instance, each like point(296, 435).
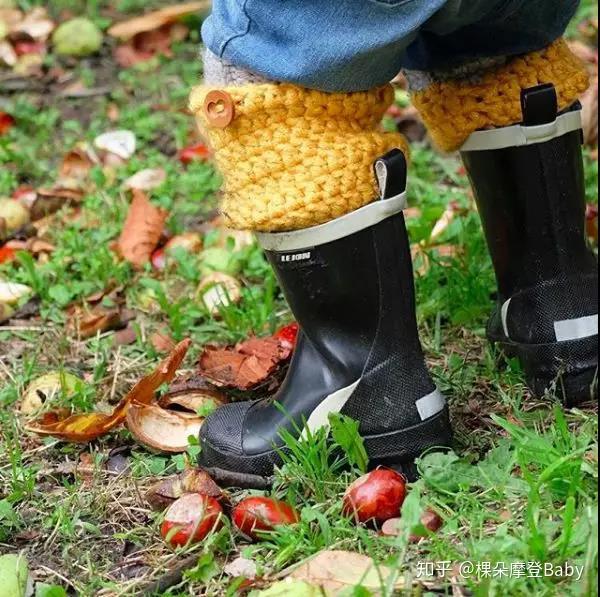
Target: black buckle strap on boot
point(391, 172)
point(528, 182)
point(349, 284)
point(539, 105)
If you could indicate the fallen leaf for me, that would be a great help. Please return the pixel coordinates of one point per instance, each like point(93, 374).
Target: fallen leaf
point(145, 180)
point(218, 290)
point(335, 570)
point(192, 480)
point(86, 323)
point(245, 365)
point(156, 19)
point(77, 163)
point(241, 567)
point(161, 342)
point(142, 230)
point(121, 143)
point(88, 426)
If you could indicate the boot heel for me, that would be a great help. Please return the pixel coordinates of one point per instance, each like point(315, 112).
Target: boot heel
point(569, 369)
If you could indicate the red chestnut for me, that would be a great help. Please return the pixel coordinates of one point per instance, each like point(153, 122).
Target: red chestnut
point(376, 496)
point(190, 519)
point(7, 254)
point(288, 334)
point(262, 514)
point(194, 153)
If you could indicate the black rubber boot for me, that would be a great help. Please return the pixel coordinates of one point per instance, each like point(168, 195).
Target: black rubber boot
point(349, 284)
point(529, 186)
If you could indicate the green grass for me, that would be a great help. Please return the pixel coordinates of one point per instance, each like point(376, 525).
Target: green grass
point(519, 487)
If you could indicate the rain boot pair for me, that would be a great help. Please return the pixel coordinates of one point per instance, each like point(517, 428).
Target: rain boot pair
point(324, 189)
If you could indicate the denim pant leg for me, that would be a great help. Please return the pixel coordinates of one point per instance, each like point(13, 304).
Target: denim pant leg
point(351, 45)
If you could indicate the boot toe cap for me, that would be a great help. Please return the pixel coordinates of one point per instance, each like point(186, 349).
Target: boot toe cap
point(223, 429)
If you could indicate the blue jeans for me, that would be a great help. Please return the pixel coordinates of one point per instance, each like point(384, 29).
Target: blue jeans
point(350, 45)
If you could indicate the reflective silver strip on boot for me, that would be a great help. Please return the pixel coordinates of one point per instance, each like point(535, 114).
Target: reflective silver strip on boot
point(576, 328)
point(519, 135)
point(348, 224)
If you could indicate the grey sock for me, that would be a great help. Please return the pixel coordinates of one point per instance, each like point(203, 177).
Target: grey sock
point(470, 71)
point(221, 72)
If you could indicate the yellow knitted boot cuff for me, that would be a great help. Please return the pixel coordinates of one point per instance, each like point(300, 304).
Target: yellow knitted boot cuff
point(293, 157)
point(453, 109)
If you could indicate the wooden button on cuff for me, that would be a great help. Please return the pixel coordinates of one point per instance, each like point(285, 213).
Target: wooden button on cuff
point(218, 108)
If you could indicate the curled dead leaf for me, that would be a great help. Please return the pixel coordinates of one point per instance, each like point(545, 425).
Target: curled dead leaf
point(336, 570)
point(142, 230)
point(245, 365)
point(156, 19)
point(86, 323)
point(88, 426)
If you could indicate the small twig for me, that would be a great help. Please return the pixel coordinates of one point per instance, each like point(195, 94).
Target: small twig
point(172, 577)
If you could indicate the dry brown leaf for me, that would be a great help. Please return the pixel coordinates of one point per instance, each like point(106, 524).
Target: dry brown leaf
point(77, 163)
point(156, 19)
point(88, 426)
point(192, 480)
point(335, 570)
point(142, 230)
point(246, 365)
point(86, 323)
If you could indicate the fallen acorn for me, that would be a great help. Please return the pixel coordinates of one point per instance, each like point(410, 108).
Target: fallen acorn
point(190, 519)
point(255, 514)
point(376, 496)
